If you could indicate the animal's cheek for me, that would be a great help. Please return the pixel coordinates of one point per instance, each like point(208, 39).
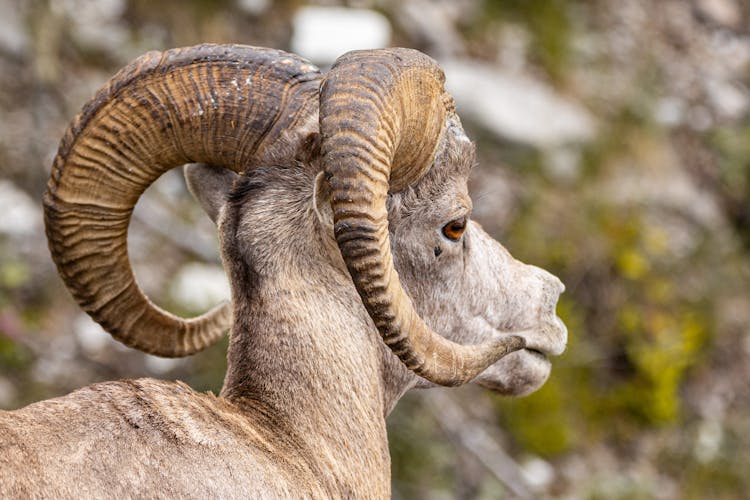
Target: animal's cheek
point(464, 327)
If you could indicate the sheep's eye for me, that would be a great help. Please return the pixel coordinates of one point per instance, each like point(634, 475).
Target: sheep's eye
point(455, 229)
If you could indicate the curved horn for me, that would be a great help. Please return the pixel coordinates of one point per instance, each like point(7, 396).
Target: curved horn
point(224, 105)
point(382, 114)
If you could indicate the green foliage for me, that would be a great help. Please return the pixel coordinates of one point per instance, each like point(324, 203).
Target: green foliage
point(549, 24)
point(733, 146)
point(13, 274)
point(718, 479)
point(207, 369)
point(732, 182)
point(420, 456)
point(635, 332)
point(12, 355)
point(540, 422)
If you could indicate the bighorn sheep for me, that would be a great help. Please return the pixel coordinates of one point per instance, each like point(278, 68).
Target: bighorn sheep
point(355, 270)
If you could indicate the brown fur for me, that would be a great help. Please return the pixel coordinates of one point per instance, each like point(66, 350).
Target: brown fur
point(309, 382)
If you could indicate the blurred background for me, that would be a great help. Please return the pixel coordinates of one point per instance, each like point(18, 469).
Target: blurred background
point(614, 151)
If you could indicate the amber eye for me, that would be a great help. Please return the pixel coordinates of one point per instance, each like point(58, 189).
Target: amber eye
point(454, 229)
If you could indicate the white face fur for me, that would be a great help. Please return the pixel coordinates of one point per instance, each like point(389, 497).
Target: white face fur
point(464, 284)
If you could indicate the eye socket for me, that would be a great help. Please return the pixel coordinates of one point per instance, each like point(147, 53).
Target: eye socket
point(455, 229)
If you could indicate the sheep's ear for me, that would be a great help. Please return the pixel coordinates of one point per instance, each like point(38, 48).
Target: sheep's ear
point(322, 201)
point(309, 149)
point(210, 186)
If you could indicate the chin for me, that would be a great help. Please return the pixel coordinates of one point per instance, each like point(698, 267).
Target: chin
point(517, 374)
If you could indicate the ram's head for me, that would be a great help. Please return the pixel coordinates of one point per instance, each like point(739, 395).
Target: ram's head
point(391, 191)
point(388, 126)
point(465, 284)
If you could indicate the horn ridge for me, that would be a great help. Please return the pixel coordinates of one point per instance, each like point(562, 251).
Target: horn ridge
point(223, 105)
point(382, 116)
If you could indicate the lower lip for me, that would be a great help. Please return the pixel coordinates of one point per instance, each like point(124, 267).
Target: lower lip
point(536, 353)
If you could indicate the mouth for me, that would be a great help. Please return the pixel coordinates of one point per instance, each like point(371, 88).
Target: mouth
point(536, 352)
point(549, 338)
point(518, 374)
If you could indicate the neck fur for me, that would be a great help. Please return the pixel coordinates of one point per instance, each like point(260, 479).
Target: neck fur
point(322, 371)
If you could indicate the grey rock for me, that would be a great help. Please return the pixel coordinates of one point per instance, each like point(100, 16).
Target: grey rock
point(322, 34)
point(516, 107)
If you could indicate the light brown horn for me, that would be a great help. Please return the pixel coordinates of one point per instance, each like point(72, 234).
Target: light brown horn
point(223, 105)
point(382, 114)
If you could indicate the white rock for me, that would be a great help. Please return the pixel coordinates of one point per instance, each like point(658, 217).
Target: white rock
point(13, 38)
point(7, 393)
point(91, 336)
point(724, 12)
point(434, 24)
point(96, 22)
point(170, 186)
point(699, 118)
point(322, 34)
point(708, 442)
point(161, 366)
point(19, 215)
point(55, 365)
point(254, 7)
point(516, 107)
point(538, 473)
point(728, 99)
point(563, 163)
point(668, 187)
point(669, 111)
point(513, 47)
point(198, 287)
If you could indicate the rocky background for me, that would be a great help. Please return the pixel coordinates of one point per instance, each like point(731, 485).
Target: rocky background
point(614, 150)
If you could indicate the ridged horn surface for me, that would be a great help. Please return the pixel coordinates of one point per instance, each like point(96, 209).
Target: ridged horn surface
point(382, 114)
point(223, 105)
